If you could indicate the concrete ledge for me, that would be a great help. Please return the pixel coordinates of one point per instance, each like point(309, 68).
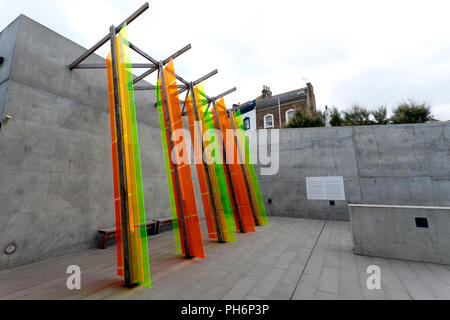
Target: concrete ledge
point(398, 207)
point(417, 233)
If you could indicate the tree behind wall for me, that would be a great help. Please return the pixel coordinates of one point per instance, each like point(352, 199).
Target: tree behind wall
point(336, 118)
point(411, 111)
point(380, 115)
point(357, 116)
point(306, 120)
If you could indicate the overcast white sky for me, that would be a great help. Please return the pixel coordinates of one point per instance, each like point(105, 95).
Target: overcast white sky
point(366, 52)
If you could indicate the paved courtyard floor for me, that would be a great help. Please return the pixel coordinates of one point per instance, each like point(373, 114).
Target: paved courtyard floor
point(290, 259)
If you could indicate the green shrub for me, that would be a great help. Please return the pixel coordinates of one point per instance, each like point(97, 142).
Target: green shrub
point(306, 120)
point(380, 115)
point(336, 118)
point(357, 116)
point(411, 111)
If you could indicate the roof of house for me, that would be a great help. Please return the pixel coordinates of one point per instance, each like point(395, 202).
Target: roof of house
point(261, 103)
point(246, 105)
point(284, 98)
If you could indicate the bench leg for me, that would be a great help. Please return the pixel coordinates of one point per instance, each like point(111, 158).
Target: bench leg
point(153, 230)
point(101, 243)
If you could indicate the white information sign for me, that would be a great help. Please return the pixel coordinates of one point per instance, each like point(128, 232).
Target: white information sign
point(325, 188)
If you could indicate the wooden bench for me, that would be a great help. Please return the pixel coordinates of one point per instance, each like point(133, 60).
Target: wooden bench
point(165, 224)
point(153, 228)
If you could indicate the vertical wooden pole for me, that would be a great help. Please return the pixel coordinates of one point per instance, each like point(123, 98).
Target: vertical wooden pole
point(122, 167)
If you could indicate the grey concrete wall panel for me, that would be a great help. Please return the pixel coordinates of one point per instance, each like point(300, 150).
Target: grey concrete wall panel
point(392, 232)
point(394, 164)
point(7, 47)
point(55, 159)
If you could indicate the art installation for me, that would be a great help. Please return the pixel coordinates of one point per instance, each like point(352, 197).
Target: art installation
point(137, 246)
point(230, 193)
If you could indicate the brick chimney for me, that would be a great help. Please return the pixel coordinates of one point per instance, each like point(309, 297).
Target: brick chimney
point(266, 93)
point(310, 98)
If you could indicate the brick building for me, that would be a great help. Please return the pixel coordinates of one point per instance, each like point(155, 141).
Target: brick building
point(273, 112)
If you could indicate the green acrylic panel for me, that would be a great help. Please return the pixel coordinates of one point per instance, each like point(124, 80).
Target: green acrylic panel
point(253, 176)
point(173, 207)
point(137, 160)
point(218, 167)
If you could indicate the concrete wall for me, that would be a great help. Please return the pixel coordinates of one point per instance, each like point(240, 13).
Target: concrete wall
point(391, 232)
point(7, 48)
point(394, 164)
point(56, 186)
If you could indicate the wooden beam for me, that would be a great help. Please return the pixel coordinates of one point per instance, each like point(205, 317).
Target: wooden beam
point(205, 77)
point(103, 66)
point(146, 88)
point(155, 68)
point(177, 54)
point(182, 80)
point(223, 94)
point(105, 39)
point(143, 54)
point(152, 88)
point(145, 74)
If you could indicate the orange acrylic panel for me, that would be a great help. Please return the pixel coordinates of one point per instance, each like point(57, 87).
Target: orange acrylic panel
point(237, 176)
point(196, 138)
point(192, 222)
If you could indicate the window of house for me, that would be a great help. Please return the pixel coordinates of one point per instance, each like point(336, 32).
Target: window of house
point(268, 121)
point(247, 123)
point(289, 115)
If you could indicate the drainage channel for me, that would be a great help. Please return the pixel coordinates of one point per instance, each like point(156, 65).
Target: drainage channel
point(309, 257)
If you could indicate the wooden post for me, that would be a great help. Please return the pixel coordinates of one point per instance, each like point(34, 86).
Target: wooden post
point(122, 168)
